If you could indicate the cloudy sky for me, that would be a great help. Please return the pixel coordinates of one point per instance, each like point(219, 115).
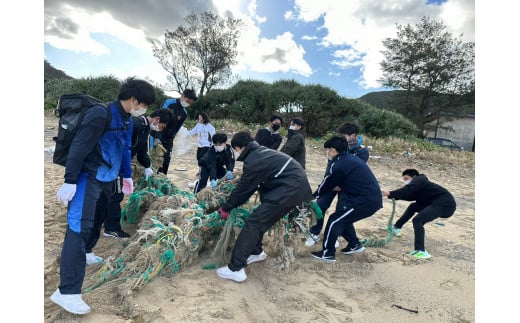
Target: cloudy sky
point(334, 43)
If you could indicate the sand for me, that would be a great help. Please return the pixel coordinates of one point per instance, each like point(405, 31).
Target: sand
point(381, 284)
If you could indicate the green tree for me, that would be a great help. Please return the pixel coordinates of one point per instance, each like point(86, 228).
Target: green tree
point(200, 53)
point(427, 61)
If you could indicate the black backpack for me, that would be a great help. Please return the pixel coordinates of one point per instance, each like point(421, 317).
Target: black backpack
point(70, 109)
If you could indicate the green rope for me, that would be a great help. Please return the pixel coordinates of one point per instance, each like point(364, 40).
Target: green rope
point(374, 241)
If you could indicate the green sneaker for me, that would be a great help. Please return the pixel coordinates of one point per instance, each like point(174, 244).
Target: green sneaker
point(413, 252)
point(421, 254)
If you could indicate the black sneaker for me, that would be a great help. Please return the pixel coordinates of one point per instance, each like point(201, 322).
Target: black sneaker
point(319, 255)
point(116, 234)
point(350, 250)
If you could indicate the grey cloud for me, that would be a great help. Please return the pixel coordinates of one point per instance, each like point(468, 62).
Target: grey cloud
point(277, 55)
point(152, 16)
point(61, 27)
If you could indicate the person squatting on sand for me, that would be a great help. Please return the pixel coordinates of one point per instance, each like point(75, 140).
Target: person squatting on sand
point(431, 202)
point(281, 183)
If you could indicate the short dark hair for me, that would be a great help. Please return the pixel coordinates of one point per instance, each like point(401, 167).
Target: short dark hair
point(190, 94)
point(219, 138)
point(337, 142)
point(410, 172)
point(143, 91)
point(348, 129)
point(242, 139)
point(274, 117)
point(164, 115)
point(298, 121)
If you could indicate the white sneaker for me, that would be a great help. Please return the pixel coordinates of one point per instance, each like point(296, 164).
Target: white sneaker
point(93, 259)
point(336, 245)
point(256, 258)
point(311, 240)
point(226, 273)
point(72, 303)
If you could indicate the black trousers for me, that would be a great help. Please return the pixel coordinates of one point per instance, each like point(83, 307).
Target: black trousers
point(113, 209)
point(249, 240)
point(426, 214)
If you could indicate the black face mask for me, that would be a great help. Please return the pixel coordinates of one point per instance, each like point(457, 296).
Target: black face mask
point(275, 126)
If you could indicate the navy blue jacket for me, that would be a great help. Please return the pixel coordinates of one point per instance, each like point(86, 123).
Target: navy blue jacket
point(92, 139)
point(358, 184)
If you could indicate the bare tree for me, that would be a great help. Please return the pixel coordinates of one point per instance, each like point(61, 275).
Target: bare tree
point(426, 60)
point(200, 53)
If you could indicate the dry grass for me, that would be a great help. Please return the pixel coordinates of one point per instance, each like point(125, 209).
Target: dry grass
point(420, 149)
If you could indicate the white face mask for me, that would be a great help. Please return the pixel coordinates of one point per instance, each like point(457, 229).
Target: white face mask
point(219, 148)
point(292, 127)
point(154, 127)
point(184, 104)
point(407, 182)
point(139, 112)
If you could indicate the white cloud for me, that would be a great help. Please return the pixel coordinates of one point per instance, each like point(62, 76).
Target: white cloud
point(264, 55)
point(308, 37)
point(288, 15)
point(75, 32)
point(363, 25)
point(334, 74)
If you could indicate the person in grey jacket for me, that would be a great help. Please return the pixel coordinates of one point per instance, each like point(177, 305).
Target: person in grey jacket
point(431, 202)
point(281, 183)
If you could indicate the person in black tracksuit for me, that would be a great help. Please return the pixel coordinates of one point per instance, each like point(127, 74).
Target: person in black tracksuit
point(216, 163)
point(142, 125)
point(431, 202)
point(269, 136)
point(178, 109)
point(281, 183)
point(359, 197)
point(295, 144)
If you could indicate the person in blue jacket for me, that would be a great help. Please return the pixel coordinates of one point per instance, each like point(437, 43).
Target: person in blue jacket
point(432, 201)
point(359, 196)
point(95, 159)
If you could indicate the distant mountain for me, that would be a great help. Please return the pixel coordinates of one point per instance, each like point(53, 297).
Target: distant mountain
point(52, 73)
point(381, 99)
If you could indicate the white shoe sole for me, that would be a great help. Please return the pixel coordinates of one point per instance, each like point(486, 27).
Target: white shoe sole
point(257, 258)
point(353, 251)
point(232, 277)
point(324, 259)
point(55, 299)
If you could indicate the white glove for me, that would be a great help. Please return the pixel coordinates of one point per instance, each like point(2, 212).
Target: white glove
point(128, 186)
point(66, 193)
point(148, 172)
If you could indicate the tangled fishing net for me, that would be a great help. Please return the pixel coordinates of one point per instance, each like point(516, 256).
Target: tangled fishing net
point(175, 226)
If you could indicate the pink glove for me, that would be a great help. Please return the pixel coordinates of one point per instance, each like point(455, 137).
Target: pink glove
point(223, 214)
point(128, 186)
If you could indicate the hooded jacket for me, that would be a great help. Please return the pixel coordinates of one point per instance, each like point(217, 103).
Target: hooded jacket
point(278, 178)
